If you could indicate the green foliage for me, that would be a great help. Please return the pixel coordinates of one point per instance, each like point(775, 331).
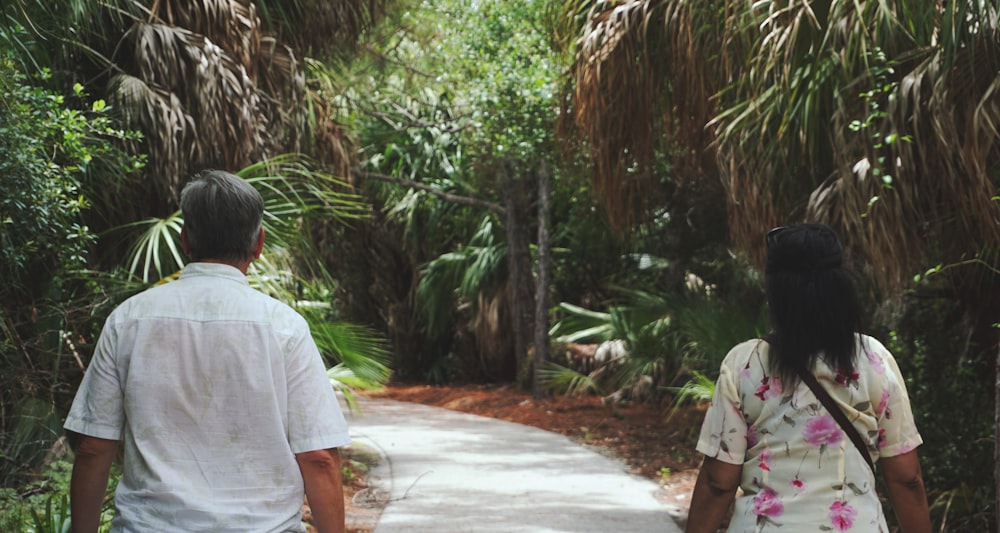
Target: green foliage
point(461, 274)
point(293, 190)
point(565, 380)
point(43, 506)
point(455, 93)
point(45, 150)
point(699, 389)
point(358, 356)
point(49, 145)
point(957, 454)
point(664, 335)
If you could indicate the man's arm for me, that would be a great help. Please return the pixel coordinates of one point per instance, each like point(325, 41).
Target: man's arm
point(91, 468)
point(324, 488)
point(713, 492)
point(905, 484)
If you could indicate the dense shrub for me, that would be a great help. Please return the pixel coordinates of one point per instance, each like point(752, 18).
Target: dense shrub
point(46, 149)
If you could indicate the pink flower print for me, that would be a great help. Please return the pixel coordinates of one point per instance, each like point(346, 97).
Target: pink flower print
point(822, 430)
point(847, 380)
point(775, 389)
point(767, 503)
point(745, 373)
point(768, 388)
point(842, 515)
point(876, 362)
point(881, 439)
point(752, 436)
point(762, 388)
point(798, 484)
point(765, 455)
point(882, 403)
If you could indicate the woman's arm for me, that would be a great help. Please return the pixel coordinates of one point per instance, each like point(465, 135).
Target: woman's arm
point(713, 493)
point(905, 484)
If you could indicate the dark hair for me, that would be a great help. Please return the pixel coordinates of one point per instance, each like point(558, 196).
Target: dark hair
point(222, 216)
point(812, 300)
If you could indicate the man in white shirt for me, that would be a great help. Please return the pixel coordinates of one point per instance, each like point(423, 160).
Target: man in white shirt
point(216, 391)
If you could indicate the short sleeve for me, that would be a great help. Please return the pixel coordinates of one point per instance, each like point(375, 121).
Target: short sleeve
point(896, 426)
point(315, 420)
point(724, 431)
point(98, 408)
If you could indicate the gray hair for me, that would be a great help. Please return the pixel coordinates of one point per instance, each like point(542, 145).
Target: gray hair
point(222, 216)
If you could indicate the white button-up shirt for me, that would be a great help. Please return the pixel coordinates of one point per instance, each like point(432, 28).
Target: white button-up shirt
point(213, 387)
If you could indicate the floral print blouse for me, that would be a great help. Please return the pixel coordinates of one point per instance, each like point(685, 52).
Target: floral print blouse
point(800, 471)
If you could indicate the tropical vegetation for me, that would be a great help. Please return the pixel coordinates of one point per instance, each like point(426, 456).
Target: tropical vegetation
point(404, 149)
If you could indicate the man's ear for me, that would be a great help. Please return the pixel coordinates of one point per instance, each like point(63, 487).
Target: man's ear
point(260, 244)
point(184, 242)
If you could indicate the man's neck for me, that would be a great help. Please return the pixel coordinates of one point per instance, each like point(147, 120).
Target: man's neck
point(241, 266)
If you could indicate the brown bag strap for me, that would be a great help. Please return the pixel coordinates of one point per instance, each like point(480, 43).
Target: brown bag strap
point(838, 415)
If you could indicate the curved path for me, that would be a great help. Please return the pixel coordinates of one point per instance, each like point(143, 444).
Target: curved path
point(453, 472)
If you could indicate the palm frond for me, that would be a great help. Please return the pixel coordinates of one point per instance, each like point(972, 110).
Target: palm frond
point(357, 348)
point(567, 381)
point(699, 389)
point(643, 83)
point(320, 27)
point(157, 250)
point(582, 325)
point(294, 190)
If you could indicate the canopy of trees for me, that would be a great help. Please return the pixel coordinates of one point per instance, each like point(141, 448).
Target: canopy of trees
point(401, 146)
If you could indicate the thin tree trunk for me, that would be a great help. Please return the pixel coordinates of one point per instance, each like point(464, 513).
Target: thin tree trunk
point(542, 282)
point(519, 268)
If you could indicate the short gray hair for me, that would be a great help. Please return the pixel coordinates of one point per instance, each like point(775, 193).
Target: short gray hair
point(222, 216)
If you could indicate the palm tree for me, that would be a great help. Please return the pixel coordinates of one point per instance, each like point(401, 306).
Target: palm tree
point(218, 84)
point(879, 118)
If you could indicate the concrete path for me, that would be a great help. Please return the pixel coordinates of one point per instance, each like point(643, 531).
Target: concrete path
point(451, 472)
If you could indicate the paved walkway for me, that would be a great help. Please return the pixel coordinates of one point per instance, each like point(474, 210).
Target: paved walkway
point(451, 472)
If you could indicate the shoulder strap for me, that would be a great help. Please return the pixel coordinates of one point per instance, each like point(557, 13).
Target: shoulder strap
point(838, 415)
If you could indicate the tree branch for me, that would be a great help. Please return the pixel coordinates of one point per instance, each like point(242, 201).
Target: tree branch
point(448, 197)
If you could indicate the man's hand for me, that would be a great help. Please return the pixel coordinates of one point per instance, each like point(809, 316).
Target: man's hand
point(90, 480)
point(324, 488)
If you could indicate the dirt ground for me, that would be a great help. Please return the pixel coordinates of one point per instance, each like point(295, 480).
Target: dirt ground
point(651, 441)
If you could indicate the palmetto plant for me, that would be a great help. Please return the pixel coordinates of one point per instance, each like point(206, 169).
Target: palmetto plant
point(665, 337)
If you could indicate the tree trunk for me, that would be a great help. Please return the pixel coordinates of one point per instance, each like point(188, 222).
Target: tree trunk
point(519, 267)
point(542, 282)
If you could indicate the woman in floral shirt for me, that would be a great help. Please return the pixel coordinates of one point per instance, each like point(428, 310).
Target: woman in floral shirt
point(766, 432)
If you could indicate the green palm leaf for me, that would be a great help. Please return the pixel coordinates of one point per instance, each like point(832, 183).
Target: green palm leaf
point(156, 252)
point(567, 381)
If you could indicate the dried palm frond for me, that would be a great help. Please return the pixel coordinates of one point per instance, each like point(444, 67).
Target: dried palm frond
point(320, 27)
point(879, 118)
point(644, 82)
point(232, 25)
point(169, 130)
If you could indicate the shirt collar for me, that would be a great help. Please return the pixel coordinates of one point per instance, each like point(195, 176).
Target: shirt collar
point(217, 270)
